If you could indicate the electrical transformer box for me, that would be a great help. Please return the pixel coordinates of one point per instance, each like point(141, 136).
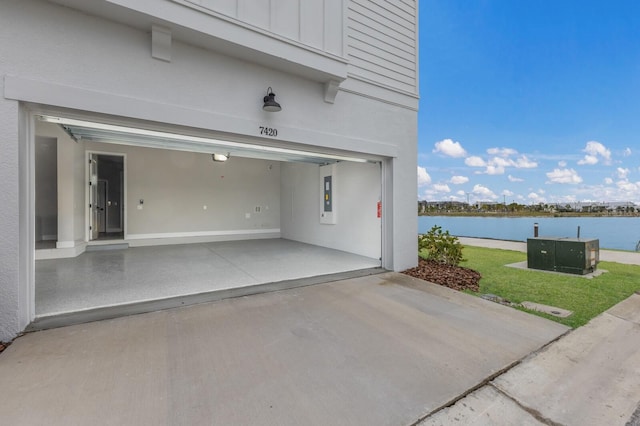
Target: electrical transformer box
point(569, 255)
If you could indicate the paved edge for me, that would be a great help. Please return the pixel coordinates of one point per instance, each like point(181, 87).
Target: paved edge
point(488, 380)
point(621, 311)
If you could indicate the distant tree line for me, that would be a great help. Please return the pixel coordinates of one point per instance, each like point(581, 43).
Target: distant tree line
point(513, 208)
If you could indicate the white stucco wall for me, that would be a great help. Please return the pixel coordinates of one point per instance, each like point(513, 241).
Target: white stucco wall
point(46, 184)
point(53, 56)
point(176, 186)
point(10, 270)
point(70, 184)
point(356, 193)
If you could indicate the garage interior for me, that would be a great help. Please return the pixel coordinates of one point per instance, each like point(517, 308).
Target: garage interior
point(126, 215)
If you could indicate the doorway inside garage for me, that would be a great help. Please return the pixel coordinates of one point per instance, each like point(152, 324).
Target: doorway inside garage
point(179, 226)
point(106, 207)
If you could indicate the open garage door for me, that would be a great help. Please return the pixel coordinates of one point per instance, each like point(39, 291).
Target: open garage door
point(202, 218)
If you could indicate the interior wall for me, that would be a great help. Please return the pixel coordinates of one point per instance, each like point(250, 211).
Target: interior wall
point(186, 192)
point(356, 190)
point(46, 188)
point(70, 184)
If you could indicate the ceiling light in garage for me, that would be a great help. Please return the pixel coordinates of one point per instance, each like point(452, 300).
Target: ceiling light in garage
point(220, 157)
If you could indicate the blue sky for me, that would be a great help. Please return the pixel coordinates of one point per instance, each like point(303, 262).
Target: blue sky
point(529, 101)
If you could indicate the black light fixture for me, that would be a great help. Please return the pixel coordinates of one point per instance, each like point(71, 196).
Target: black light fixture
point(270, 103)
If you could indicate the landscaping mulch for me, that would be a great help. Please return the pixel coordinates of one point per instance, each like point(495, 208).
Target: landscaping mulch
point(455, 277)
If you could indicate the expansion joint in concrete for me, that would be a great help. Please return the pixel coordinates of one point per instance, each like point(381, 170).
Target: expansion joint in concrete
point(452, 402)
point(535, 413)
point(634, 420)
point(489, 380)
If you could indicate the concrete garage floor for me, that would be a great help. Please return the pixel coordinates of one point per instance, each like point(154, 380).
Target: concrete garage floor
point(383, 349)
point(113, 277)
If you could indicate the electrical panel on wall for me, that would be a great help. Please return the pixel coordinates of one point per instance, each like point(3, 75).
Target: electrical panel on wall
point(328, 194)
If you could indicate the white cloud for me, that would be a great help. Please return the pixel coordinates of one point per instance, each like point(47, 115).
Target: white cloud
point(534, 197)
point(514, 179)
point(594, 152)
point(459, 180)
point(622, 173)
point(608, 181)
point(441, 187)
point(497, 165)
point(494, 170)
point(483, 191)
point(474, 161)
point(500, 162)
point(507, 193)
point(627, 186)
point(588, 160)
point(423, 177)
point(524, 163)
point(627, 152)
point(564, 176)
point(502, 152)
point(562, 163)
point(450, 148)
point(624, 191)
point(541, 191)
point(461, 193)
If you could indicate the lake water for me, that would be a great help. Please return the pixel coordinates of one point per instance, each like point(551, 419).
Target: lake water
point(621, 233)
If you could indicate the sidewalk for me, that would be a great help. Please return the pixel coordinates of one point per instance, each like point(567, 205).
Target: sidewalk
point(589, 377)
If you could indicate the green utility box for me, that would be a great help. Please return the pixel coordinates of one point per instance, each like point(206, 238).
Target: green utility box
point(569, 255)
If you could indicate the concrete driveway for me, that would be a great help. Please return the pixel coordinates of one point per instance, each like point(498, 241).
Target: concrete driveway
point(379, 350)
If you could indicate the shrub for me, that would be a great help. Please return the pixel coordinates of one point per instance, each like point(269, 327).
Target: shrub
point(440, 247)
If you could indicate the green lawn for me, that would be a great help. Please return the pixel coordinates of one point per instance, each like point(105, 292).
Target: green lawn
point(585, 297)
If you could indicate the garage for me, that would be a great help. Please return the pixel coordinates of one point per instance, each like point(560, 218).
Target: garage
point(159, 154)
point(138, 218)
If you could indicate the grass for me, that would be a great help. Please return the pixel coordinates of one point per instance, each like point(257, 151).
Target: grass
point(587, 298)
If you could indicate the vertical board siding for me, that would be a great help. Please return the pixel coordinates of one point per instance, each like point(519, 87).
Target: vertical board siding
point(315, 23)
point(255, 12)
point(312, 23)
point(285, 18)
point(334, 26)
point(382, 42)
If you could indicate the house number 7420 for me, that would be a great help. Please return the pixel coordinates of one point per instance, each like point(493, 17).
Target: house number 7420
point(268, 131)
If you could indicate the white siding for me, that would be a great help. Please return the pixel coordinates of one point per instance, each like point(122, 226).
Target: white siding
point(314, 23)
point(382, 43)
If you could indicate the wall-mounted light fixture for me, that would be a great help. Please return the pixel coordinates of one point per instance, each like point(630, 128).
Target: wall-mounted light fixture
point(220, 157)
point(270, 103)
